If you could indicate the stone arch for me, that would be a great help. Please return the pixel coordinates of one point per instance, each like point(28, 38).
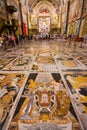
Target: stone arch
point(46, 4)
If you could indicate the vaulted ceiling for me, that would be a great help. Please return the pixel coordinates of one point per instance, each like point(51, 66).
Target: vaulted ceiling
point(33, 3)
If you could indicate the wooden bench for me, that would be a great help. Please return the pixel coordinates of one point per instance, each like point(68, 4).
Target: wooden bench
point(78, 39)
point(75, 39)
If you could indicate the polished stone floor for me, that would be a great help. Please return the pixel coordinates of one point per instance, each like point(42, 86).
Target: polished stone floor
point(43, 86)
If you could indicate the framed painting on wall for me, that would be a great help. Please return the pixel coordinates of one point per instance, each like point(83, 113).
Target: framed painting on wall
point(2, 10)
point(85, 8)
point(75, 10)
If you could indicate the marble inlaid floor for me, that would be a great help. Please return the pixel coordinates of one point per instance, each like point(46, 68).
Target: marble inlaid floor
point(43, 86)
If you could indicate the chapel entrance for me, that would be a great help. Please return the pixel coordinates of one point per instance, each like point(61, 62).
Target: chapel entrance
point(44, 25)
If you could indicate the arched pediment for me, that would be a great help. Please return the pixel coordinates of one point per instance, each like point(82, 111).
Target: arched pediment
point(44, 7)
point(55, 3)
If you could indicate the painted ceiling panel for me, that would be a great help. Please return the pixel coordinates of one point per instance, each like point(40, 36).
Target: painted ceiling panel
point(33, 3)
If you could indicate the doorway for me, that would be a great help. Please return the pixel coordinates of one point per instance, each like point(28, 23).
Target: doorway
point(44, 26)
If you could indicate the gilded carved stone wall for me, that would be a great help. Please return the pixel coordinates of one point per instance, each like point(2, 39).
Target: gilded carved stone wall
point(83, 29)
